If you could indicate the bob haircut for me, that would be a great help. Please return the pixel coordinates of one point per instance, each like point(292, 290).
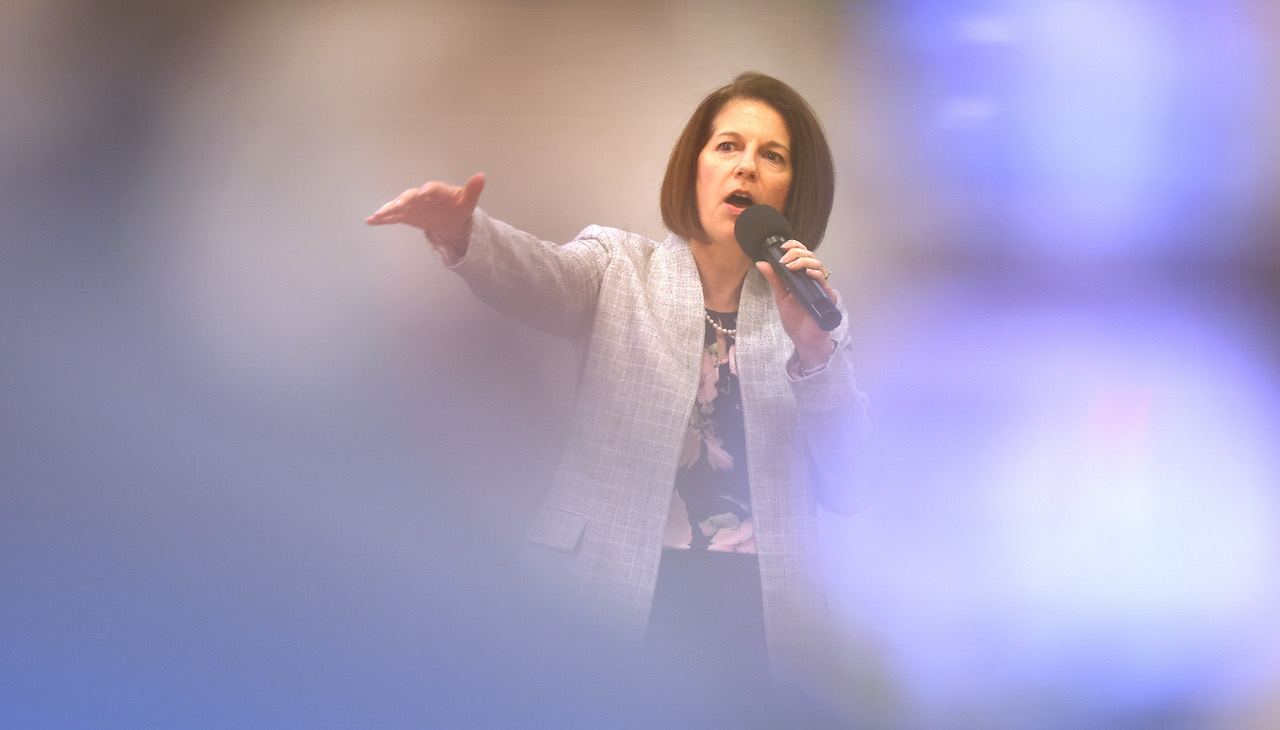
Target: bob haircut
point(813, 177)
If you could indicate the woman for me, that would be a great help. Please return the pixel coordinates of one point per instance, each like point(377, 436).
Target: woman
point(712, 411)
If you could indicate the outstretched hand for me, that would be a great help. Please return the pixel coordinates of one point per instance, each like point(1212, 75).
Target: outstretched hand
point(813, 344)
point(440, 209)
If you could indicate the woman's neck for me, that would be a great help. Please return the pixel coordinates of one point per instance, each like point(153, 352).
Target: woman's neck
point(722, 269)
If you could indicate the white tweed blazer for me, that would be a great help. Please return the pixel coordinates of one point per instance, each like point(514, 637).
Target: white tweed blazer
point(634, 307)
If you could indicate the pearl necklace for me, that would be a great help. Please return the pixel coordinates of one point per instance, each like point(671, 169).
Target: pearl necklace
point(720, 329)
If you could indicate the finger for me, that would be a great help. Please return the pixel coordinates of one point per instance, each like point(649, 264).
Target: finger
point(800, 253)
point(803, 261)
point(386, 214)
point(398, 200)
point(793, 249)
point(471, 191)
point(793, 255)
point(819, 275)
point(383, 218)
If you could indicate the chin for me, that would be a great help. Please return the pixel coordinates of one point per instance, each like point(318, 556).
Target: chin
point(723, 238)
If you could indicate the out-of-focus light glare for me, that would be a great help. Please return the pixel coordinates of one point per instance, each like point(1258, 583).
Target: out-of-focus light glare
point(982, 29)
point(1101, 531)
point(968, 112)
point(1088, 131)
point(1098, 100)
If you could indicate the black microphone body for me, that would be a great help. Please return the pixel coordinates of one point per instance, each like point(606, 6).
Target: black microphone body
point(761, 230)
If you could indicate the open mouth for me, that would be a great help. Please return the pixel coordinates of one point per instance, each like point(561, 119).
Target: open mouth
point(739, 200)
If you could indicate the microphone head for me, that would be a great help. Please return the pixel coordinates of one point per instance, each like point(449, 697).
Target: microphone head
point(757, 224)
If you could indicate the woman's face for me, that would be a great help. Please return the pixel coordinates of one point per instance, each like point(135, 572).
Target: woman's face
point(747, 160)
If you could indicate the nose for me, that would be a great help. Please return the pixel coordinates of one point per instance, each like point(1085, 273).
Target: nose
point(746, 164)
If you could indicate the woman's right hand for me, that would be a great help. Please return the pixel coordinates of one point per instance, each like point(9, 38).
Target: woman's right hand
point(442, 210)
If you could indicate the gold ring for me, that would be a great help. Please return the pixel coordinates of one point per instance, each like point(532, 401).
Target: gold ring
point(826, 273)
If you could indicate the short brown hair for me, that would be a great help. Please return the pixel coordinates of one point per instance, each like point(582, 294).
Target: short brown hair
point(813, 177)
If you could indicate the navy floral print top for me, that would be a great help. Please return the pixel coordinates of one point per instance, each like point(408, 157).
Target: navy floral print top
point(711, 505)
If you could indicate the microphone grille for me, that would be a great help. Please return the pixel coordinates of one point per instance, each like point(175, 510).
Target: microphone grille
point(757, 224)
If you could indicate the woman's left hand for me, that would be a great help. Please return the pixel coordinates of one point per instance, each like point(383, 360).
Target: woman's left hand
point(813, 344)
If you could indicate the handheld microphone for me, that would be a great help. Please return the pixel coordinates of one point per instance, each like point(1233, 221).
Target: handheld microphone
point(761, 230)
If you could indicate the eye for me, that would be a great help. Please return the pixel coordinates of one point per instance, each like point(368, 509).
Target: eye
point(725, 146)
point(774, 157)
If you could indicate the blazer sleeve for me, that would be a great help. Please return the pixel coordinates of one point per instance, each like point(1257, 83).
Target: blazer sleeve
point(846, 459)
point(547, 286)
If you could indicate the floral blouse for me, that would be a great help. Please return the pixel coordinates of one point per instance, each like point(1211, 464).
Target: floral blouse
point(711, 505)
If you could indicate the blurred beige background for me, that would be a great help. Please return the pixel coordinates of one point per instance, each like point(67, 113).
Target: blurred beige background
point(278, 128)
